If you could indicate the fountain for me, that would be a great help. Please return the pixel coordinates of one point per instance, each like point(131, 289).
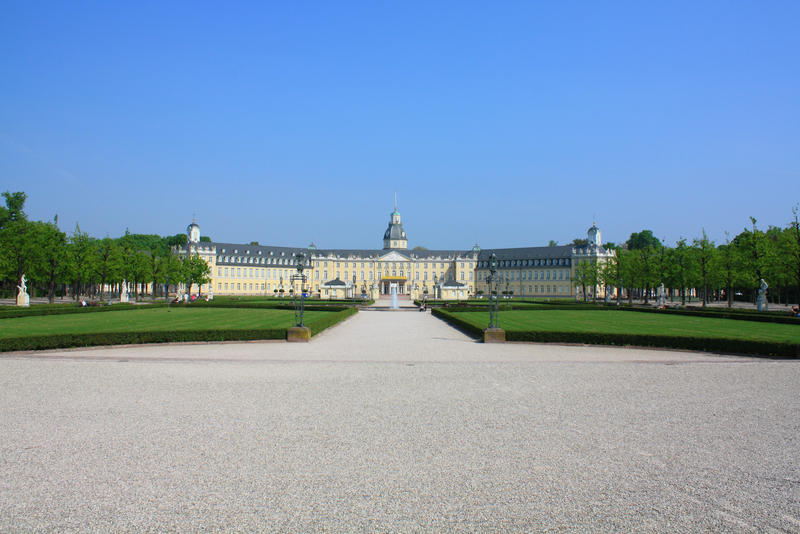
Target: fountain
point(394, 297)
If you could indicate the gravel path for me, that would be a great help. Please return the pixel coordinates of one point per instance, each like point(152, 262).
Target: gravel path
point(393, 421)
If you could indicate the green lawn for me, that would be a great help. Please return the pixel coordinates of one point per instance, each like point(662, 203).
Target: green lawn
point(620, 322)
point(159, 319)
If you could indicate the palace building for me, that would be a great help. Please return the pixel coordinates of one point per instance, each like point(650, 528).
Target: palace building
point(239, 269)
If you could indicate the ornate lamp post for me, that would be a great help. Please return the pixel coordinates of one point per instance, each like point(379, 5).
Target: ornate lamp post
point(493, 334)
point(299, 332)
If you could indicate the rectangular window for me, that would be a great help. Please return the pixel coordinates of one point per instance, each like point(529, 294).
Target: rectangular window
point(239, 287)
point(219, 286)
point(219, 271)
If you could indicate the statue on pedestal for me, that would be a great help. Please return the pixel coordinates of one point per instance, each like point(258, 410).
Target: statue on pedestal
point(662, 301)
point(123, 292)
point(22, 297)
point(761, 302)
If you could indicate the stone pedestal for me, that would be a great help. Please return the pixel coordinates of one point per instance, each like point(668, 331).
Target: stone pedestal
point(298, 334)
point(494, 335)
point(124, 297)
point(23, 300)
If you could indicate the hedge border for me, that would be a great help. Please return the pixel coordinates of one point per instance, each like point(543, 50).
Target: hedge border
point(737, 316)
point(724, 345)
point(60, 341)
point(64, 309)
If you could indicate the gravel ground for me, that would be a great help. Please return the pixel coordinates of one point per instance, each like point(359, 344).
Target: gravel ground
point(393, 421)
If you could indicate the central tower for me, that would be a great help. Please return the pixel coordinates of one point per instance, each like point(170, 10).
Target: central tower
point(395, 236)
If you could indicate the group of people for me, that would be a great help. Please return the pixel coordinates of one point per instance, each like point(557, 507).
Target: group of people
point(185, 297)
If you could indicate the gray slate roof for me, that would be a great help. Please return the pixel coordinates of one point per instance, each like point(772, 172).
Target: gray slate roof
point(527, 253)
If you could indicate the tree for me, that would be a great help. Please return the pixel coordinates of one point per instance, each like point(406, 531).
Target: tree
point(140, 270)
point(108, 262)
point(16, 249)
point(13, 210)
point(644, 246)
point(683, 267)
point(642, 240)
point(127, 253)
point(587, 274)
point(177, 240)
point(610, 274)
point(50, 265)
point(80, 261)
point(579, 242)
point(705, 259)
point(195, 270)
point(552, 243)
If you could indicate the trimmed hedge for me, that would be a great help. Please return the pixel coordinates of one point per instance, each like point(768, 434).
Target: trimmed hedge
point(740, 315)
point(338, 306)
point(58, 341)
point(61, 309)
point(735, 346)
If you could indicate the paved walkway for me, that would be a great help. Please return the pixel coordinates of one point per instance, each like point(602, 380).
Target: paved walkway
point(393, 421)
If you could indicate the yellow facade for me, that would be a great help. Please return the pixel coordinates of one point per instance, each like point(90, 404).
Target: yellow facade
point(238, 269)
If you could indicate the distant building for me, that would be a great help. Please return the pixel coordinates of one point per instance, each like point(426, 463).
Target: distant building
point(240, 269)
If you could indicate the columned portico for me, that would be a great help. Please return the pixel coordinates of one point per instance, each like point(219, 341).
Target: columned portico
point(399, 282)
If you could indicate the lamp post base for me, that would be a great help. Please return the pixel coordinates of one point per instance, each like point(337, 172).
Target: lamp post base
point(494, 335)
point(298, 334)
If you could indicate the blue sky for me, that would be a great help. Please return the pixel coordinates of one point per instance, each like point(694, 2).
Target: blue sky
point(508, 124)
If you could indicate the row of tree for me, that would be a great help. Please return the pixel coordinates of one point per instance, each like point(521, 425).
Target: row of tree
point(57, 264)
point(712, 271)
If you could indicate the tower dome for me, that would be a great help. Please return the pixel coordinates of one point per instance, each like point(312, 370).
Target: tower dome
point(395, 236)
point(594, 236)
point(193, 232)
